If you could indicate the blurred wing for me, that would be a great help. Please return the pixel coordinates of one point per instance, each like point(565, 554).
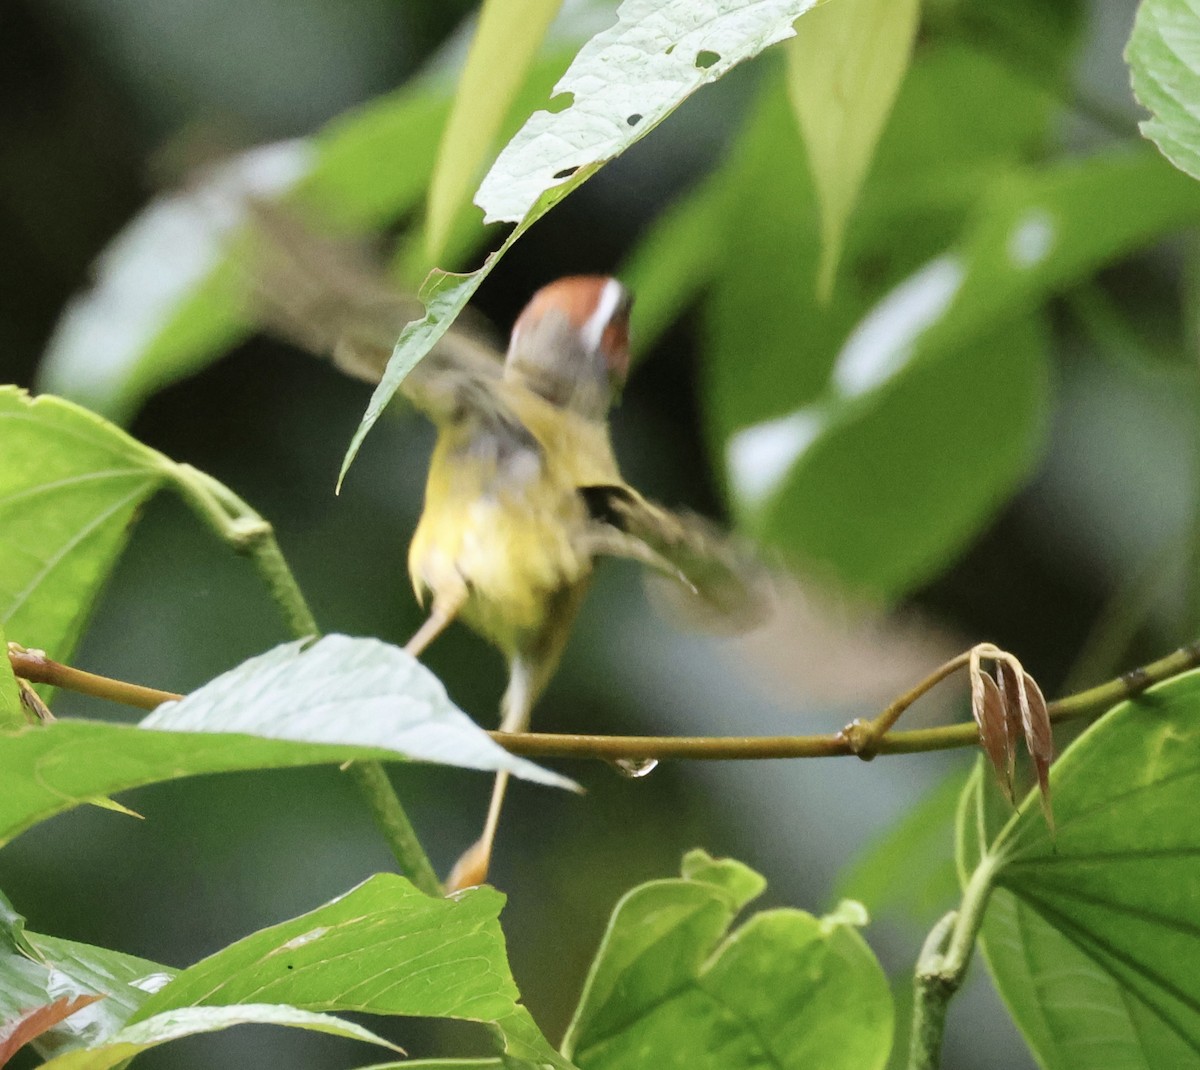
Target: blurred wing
point(330, 300)
point(719, 585)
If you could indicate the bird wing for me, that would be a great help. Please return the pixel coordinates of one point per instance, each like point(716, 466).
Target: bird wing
point(328, 298)
point(719, 584)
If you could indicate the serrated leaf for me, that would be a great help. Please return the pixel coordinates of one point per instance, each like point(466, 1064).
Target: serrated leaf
point(625, 81)
point(505, 42)
point(845, 66)
point(70, 485)
point(346, 692)
point(172, 1025)
point(1117, 882)
point(671, 987)
point(382, 948)
point(1164, 59)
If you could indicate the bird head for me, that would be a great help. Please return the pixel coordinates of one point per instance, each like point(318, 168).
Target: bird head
point(570, 344)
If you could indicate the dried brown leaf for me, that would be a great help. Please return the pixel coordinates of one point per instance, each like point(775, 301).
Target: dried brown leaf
point(987, 707)
point(1006, 677)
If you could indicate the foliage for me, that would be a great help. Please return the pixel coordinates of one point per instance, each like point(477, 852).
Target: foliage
point(879, 258)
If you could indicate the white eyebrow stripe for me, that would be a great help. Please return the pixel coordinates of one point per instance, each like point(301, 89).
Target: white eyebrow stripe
point(593, 328)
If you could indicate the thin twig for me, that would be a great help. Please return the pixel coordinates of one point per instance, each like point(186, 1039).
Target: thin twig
point(35, 666)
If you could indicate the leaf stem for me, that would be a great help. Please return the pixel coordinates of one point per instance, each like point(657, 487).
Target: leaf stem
point(942, 965)
point(252, 535)
point(33, 665)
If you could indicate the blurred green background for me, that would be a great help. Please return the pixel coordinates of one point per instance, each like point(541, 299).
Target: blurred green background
point(1082, 572)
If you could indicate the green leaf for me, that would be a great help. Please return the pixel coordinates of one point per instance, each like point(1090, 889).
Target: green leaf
point(909, 870)
point(70, 486)
point(675, 261)
point(671, 987)
point(622, 84)
point(169, 297)
point(12, 712)
point(845, 66)
point(144, 1035)
point(44, 968)
point(505, 42)
point(1096, 939)
point(344, 691)
point(1164, 60)
point(341, 700)
point(927, 422)
point(1073, 1013)
point(382, 948)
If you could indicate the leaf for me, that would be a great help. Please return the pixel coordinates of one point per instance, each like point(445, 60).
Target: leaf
point(908, 871)
point(12, 712)
point(505, 42)
point(671, 987)
point(344, 691)
point(845, 66)
point(134, 1039)
point(1164, 59)
point(937, 387)
point(15, 1033)
point(675, 260)
point(168, 298)
point(1073, 1013)
point(382, 948)
point(70, 486)
point(342, 699)
point(1117, 883)
point(624, 82)
point(46, 968)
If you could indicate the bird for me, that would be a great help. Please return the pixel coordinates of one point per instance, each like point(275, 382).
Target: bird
point(523, 494)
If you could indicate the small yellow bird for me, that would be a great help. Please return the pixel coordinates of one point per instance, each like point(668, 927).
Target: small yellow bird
point(523, 492)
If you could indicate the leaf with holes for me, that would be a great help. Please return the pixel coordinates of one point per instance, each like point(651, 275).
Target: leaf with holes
point(624, 82)
point(70, 486)
point(1093, 930)
point(671, 986)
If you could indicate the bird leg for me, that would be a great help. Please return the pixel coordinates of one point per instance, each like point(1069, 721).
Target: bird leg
point(438, 620)
point(472, 867)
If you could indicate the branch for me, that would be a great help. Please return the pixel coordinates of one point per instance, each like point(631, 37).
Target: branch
point(33, 665)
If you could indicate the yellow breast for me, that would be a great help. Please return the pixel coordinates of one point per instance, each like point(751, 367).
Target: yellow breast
point(502, 518)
